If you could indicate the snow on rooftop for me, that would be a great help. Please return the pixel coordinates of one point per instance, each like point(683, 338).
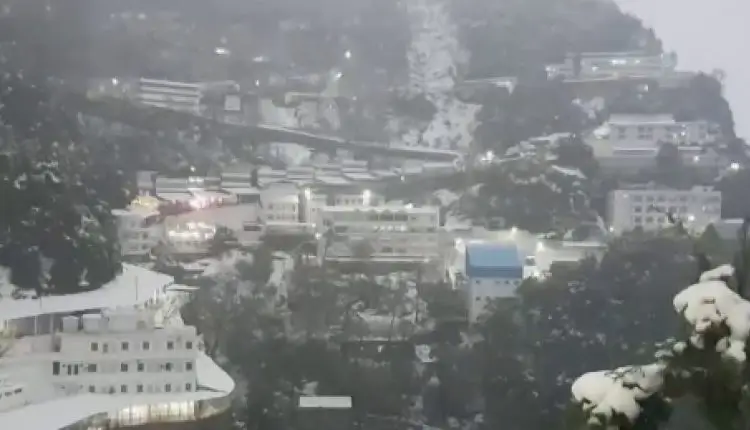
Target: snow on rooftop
point(332, 180)
point(134, 286)
point(174, 197)
point(359, 176)
point(325, 402)
point(211, 376)
point(633, 119)
point(567, 171)
point(240, 190)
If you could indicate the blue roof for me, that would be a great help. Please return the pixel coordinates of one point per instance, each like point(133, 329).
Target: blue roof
point(491, 260)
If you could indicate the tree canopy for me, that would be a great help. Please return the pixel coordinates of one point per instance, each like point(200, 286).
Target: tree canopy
point(56, 229)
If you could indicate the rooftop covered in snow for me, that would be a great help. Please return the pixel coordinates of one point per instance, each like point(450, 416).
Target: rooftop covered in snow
point(135, 285)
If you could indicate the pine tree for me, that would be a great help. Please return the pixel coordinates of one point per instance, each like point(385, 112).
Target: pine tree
point(708, 365)
point(57, 232)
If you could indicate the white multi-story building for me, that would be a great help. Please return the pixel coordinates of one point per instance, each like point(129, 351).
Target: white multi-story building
point(647, 208)
point(394, 233)
point(139, 227)
point(128, 360)
point(189, 238)
point(181, 96)
point(649, 130)
point(365, 198)
point(138, 231)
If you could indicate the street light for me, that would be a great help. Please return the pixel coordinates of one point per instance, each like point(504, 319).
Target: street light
point(308, 194)
point(348, 55)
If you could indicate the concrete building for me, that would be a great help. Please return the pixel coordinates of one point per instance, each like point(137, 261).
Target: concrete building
point(189, 238)
point(180, 96)
point(646, 208)
point(493, 271)
point(648, 130)
point(393, 233)
point(105, 359)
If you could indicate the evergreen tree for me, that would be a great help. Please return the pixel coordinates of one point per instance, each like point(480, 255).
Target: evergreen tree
point(57, 231)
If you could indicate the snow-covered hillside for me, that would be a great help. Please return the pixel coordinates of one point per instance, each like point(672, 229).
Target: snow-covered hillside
point(434, 56)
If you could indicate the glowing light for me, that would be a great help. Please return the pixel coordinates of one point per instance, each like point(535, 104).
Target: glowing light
point(308, 194)
point(691, 218)
point(734, 166)
point(366, 195)
point(513, 230)
point(115, 81)
point(540, 246)
point(221, 51)
point(348, 55)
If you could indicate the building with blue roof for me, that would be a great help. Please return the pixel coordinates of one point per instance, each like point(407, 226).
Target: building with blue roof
point(494, 270)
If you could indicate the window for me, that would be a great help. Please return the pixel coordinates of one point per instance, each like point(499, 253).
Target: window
point(92, 389)
point(139, 388)
point(91, 368)
point(55, 367)
point(105, 348)
point(188, 387)
point(189, 366)
point(141, 366)
point(168, 367)
point(123, 367)
point(168, 388)
point(188, 345)
point(146, 346)
point(124, 346)
point(123, 388)
point(94, 346)
point(170, 345)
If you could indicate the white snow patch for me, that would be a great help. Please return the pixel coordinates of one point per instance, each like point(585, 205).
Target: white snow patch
point(608, 393)
point(710, 304)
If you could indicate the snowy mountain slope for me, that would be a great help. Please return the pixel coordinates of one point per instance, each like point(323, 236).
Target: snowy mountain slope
point(434, 56)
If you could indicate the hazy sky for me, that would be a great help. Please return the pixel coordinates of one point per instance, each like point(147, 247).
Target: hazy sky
point(706, 34)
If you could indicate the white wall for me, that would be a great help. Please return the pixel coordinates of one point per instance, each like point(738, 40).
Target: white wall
point(628, 209)
point(483, 290)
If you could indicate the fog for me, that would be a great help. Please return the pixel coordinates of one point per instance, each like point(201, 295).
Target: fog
point(706, 35)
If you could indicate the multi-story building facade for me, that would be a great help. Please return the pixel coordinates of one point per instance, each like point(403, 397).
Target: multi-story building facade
point(649, 130)
point(493, 271)
point(181, 96)
point(189, 238)
point(105, 359)
point(648, 208)
point(394, 233)
point(139, 231)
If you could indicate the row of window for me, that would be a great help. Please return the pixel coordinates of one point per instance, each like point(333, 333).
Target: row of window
point(139, 388)
point(73, 369)
point(384, 228)
point(145, 346)
point(11, 393)
point(363, 216)
point(675, 198)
